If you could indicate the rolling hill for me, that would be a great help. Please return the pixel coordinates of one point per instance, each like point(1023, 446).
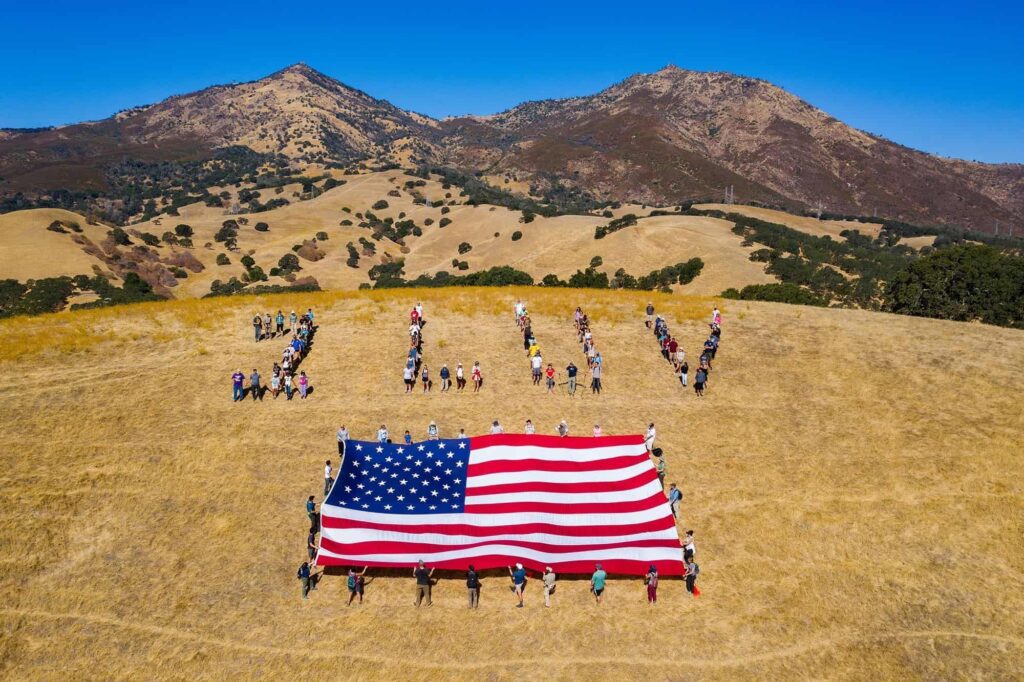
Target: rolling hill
point(661, 138)
point(856, 503)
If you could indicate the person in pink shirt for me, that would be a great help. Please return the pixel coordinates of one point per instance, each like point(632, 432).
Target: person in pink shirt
point(303, 385)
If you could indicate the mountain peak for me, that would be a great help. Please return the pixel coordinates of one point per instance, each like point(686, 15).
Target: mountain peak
point(297, 69)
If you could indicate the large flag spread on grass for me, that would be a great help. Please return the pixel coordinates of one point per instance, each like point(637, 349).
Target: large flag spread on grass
point(495, 500)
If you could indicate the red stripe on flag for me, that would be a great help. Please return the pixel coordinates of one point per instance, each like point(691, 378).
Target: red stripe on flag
point(484, 562)
point(521, 529)
point(504, 466)
point(551, 487)
point(554, 442)
point(570, 508)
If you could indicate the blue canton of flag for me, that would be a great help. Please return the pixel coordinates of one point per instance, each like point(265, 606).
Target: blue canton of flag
point(393, 478)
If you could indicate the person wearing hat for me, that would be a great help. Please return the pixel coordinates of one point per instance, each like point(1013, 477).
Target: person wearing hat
point(423, 583)
point(549, 586)
point(651, 580)
point(518, 582)
point(597, 582)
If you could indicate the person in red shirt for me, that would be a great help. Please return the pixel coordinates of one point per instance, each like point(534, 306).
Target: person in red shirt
point(550, 373)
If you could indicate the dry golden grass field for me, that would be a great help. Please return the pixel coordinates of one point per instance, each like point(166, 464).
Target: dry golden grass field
point(854, 480)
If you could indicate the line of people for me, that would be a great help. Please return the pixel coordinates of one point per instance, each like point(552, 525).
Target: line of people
point(674, 353)
point(283, 377)
point(584, 335)
point(415, 367)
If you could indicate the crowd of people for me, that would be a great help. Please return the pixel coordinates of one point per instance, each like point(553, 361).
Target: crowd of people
point(584, 335)
point(416, 369)
point(673, 351)
point(424, 580)
point(285, 376)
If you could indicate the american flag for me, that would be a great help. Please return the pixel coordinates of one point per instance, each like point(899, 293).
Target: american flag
point(500, 499)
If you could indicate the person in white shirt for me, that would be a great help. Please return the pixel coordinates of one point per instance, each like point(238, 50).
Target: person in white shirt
point(342, 437)
point(419, 312)
point(529, 427)
point(382, 434)
point(328, 477)
point(432, 431)
point(649, 438)
point(460, 377)
point(563, 428)
point(414, 330)
point(462, 433)
point(536, 362)
point(496, 427)
point(409, 378)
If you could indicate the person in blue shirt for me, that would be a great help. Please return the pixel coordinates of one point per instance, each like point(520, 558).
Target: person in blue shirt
point(518, 582)
point(571, 370)
point(675, 496)
point(446, 382)
point(311, 510)
point(238, 384)
point(408, 438)
point(303, 575)
point(280, 322)
point(597, 582)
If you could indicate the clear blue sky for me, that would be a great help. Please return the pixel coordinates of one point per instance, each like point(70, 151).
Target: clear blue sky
point(942, 76)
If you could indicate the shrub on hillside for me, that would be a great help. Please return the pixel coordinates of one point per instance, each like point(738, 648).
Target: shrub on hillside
point(465, 247)
point(780, 293)
point(119, 236)
point(527, 216)
point(222, 259)
point(322, 236)
point(262, 227)
point(428, 221)
point(444, 222)
point(380, 205)
point(150, 239)
point(517, 235)
point(445, 210)
point(289, 263)
point(345, 223)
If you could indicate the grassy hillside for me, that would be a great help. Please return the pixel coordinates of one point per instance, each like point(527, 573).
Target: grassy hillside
point(854, 480)
point(560, 245)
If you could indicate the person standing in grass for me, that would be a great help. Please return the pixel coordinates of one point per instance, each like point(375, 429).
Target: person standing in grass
point(309, 316)
point(650, 315)
point(689, 548)
point(529, 430)
point(478, 378)
point(407, 377)
point(268, 325)
point(254, 386)
point(660, 466)
point(473, 587)
point(446, 381)
point(425, 376)
point(595, 378)
point(692, 571)
point(293, 321)
point(288, 385)
point(342, 435)
point(675, 497)
point(684, 373)
point(699, 380)
point(407, 437)
point(597, 431)
point(279, 319)
point(257, 327)
point(311, 510)
point(432, 431)
point(536, 361)
point(460, 377)
point(423, 583)
point(518, 582)
point(356, 584)
point(328, 477)
point(550, 374)
point(238, 385)
point(562, 429)
point(549, 586)
point(311, 543)
point(275, 383)
point(649, 438)
point(651, 580)
point(496, 428)
point(597, 582)
point(303, 576)
point(571, 371)
point(382, 434)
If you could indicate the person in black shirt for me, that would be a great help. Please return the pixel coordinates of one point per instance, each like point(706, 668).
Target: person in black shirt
point(473, 587)
point(571, 371)
point(423, 583)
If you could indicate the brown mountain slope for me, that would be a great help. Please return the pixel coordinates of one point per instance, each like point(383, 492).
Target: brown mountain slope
point(655, 138)
point(297, 112)
point(676, 134)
